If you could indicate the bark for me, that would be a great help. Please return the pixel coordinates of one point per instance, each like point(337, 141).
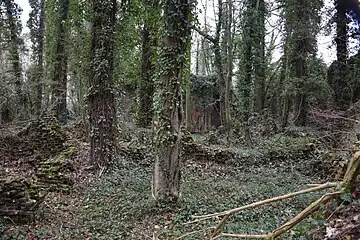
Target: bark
point(285, 100)
point(60, 70)
point(342, 96)
point(301, 75)
point(228, 82)
point(302, 49)
point(218, 61)
point(259, 51)
point(246, 89)
point(40, 58)
point(15, 57)
point(101, 94)
point(247, 62)
point(197, 58)
point(166, 178)
point(145, 88)
point(188, 89)
point(36, 24)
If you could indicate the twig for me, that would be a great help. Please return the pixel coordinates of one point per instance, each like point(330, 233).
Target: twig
point(251, 236)
point(194, 232)
point(337, 209)
point(220, 226)
point(60, 230)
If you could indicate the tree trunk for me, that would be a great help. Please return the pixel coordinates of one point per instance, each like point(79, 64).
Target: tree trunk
point(60, 70)
point(40, 62)
point(342, 92)
point(145, 88)
point(101, 94)
point(259, 52)
point(36, 24)
point(228, 82)
point(247, 66)
point(166, 178)
point(11, 9)
point(301, 75)
point(187, 82)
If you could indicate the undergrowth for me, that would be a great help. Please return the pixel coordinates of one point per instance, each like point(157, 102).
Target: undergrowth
point(119, 205)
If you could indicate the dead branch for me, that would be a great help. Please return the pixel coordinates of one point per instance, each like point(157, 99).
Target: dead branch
point(266, 201)
point(194, 232)
point(229, 235)
point(305, 213)
point(346, 185)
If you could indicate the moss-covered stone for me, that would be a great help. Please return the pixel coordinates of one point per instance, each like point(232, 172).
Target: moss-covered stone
point(55, 172)
point(19, 198)
point(37, 159)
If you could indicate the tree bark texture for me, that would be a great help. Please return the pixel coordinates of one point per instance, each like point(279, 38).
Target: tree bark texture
point(340, 86)
point(11, 9)
point(259, 51)
point(166, 178)
point(101, 96)
point(145, 87)
point(61, 61)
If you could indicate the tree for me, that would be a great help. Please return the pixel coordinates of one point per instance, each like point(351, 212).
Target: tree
point(246, 63)
point(36, 24)
point(78, 57)
point(61, 63)
point(259, 54)
point(145, 88)
point(340, 86)
point(13, 12)
point(229, 64)
point(168, 112)
point(218, 58)
point(302, 23)
point(101, 93)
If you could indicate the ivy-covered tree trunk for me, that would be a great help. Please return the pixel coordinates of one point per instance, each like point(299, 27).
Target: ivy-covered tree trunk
point(187, 82)
point(246, 64)
point(101, 93)
point(218, 61)
point(300, 69)
point(340, 87)
point(228, 83)
point(14, 25)
point(61, 61)
point(302, 22)
point(145, 87)
point(36, 24)
point(166, 178)
point(149, 41)
point(259, 52)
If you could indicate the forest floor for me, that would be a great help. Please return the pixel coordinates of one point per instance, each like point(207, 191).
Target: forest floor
point(119, 205)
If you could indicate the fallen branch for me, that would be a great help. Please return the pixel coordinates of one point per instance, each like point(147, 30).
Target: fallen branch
point(346, 186)
point(229, 235)
point(194, 232)
point(305, 213)
point(266, 201)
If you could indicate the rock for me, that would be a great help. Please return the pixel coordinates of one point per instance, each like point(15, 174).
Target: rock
point(19, 198)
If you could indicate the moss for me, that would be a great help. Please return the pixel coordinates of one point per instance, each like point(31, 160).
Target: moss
point(54, 172)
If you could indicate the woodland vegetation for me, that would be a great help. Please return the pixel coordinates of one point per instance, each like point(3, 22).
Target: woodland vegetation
point(179, 119)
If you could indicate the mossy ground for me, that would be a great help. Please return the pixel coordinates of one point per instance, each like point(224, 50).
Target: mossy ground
point(118, 205)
